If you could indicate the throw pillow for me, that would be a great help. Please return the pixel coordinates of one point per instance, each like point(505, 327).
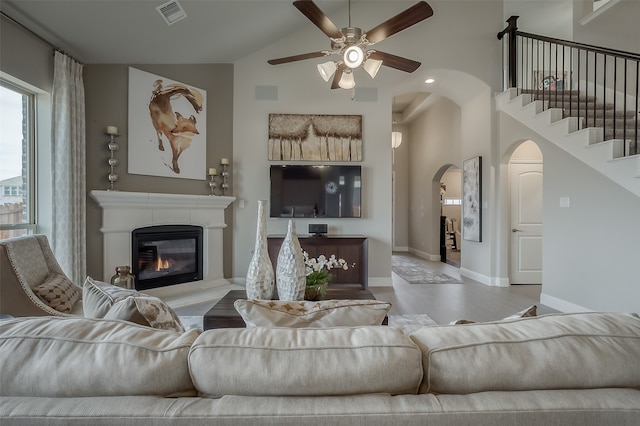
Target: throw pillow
point(146, 310)
point(98, 297)
point(108, 301)
point(307, 314)
point(58, 292)
point(531, 311)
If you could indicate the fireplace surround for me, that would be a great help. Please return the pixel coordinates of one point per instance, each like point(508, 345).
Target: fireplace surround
point(122, 212)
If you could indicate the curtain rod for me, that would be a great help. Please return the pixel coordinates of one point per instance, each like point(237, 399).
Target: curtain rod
point(30, 31)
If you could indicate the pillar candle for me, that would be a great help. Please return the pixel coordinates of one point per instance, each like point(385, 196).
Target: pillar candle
point(112, 130)
point(224, 161)
point(212, 171)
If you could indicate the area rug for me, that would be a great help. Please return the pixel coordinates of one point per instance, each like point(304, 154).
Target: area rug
point(416, 272)
point(410, 323)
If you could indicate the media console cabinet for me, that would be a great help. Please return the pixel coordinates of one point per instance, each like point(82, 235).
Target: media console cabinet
point(353, 249)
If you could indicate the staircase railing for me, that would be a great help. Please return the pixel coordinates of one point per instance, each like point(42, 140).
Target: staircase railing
point(598, 85)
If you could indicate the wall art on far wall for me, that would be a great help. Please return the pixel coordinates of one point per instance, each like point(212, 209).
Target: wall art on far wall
point(472, 199)
point(304, 137)
point(167, 127)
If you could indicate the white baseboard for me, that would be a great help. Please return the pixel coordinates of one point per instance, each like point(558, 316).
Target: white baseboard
point(424, 255)
point(379, 282)
point(484, 279)
point(561, 305)
point(239, 281)
point(400, 248)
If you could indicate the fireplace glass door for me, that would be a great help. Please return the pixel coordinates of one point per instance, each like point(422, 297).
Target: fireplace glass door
point(166, 255)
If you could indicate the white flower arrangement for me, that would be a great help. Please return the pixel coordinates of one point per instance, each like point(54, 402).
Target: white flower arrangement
point(317, 270)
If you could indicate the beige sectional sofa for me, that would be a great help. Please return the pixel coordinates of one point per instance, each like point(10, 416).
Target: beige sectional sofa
point(563, 369)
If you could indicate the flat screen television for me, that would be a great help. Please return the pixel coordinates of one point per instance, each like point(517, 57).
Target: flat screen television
point(315, 191)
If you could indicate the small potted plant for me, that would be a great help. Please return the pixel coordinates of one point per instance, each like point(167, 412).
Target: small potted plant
point(318, 275)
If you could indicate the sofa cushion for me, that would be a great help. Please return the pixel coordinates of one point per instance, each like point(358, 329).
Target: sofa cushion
point(305, 362)
point(102, 300)
point(324, 313)
point(560, 351)
point(58, 292)
point(82, 357)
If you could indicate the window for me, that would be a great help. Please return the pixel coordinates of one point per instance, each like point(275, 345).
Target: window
point(17, 159)
point(452, 202)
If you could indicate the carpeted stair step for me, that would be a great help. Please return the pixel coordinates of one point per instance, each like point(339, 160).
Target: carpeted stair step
point(559, 92)
point(630, 134)
point(599, 113)
point(619, 122)
point(580, 105)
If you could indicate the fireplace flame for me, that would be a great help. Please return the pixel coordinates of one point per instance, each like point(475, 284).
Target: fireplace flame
point(162, 264)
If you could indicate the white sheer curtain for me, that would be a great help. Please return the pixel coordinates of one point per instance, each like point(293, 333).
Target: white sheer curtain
point(68, 168)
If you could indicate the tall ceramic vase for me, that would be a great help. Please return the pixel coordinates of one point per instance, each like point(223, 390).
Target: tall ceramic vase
point(260, 273)
point(290, 271)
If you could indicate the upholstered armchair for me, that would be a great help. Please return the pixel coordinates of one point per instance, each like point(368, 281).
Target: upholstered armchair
point(32, 282)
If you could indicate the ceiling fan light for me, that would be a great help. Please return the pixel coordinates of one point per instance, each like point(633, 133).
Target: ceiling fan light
point(347, 81)
point(327, 70)
point(371, 66)
point(396, 139)
point(353, 56)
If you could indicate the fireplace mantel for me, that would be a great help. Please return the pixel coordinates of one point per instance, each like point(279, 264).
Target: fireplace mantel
point(122, 212)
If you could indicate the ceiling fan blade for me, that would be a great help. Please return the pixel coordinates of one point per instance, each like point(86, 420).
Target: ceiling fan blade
point(416, 13)
point(298, 57)
point(337, 77)
point(397, 62)
point(317, 16)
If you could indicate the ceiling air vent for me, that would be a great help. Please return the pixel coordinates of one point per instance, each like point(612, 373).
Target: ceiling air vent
point(171, 11)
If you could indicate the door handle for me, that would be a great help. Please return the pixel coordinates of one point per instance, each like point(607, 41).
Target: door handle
point(515, 230)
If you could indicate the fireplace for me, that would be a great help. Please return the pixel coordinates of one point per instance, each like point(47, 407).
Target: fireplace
point(166, 255)
point(123, 211)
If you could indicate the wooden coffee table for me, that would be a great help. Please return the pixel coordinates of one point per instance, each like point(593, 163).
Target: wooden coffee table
point(224, 315)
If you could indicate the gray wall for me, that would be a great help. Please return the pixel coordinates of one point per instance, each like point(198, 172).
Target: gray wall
point(106, 89)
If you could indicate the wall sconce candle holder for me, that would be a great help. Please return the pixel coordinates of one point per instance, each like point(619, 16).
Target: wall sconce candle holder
point(112, 161)
point(225, 175)
point(212, 180)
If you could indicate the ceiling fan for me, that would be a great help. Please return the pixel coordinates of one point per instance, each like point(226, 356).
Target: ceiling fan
point(352, 45)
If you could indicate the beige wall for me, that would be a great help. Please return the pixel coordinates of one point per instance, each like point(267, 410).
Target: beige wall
point(401, 195)
point(106, 104)
point(300, 89)
point(435, 142)
point(585, 267)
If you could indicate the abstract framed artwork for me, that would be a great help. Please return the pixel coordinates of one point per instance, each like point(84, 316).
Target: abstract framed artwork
point(305, 137)
point(472, 199)
point(167, 127)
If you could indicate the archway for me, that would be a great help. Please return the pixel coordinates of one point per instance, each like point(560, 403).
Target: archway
point(450, 214)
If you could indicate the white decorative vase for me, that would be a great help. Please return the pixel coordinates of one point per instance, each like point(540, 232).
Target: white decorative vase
point(259, 284)
point(291, 277)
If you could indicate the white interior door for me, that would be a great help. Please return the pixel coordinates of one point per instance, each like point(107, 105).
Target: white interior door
point(526, 223)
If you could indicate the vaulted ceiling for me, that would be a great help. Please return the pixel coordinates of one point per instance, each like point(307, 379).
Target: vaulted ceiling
point(133, 31)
